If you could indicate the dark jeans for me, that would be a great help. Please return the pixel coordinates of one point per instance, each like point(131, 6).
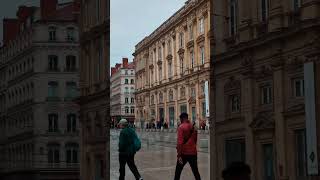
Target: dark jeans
point(127, 159)
point(192, 160)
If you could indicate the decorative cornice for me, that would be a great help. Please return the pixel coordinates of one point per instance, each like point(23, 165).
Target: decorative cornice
point(200, 38)
point(263, 121)
point(181, 52)
point(263, 73)
point(232, 84)
point(190, 44)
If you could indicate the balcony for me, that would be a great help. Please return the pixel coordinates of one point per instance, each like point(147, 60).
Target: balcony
point(53, 99)
point(71, 69)
point(53, 70)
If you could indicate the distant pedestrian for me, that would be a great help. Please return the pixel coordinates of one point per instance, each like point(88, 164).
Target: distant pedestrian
point(129, 144)
point(237, 171)
point(186, 147)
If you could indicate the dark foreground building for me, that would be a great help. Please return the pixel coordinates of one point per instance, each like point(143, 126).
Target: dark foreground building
point(265, 87)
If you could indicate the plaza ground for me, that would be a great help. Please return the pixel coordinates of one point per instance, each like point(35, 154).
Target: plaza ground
point(157, 158)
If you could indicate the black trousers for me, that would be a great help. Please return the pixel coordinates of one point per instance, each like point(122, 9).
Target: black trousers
point(128, 159)
point(192, 160)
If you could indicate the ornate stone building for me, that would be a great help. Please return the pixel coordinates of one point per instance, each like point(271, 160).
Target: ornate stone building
point(262, 87)
point(172, 65)
point(94, 84)
point(38, 81)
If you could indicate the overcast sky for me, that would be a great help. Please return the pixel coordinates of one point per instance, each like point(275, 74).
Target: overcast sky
point(132, 20)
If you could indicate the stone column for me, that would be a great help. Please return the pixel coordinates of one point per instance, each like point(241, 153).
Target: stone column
point(280, 133)
point(176, 108)
point(247, 109)
point(198, 107)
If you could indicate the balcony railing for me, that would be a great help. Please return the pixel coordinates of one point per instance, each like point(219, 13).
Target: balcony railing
point(53, 99)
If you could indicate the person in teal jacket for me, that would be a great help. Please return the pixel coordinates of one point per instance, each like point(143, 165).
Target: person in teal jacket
point(127, 150)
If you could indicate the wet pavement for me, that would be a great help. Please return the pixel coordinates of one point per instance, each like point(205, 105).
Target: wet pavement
point(157, 158)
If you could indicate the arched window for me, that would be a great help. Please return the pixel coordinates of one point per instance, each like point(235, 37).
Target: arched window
point(70, 63)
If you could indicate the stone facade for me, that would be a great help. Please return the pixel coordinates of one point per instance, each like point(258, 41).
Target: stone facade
point(38, 80)
point(122, 92)
point(172, 65)
point(258, 114)
point(94, 85)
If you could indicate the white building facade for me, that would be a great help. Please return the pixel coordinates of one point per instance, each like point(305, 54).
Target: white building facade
point(122, 92)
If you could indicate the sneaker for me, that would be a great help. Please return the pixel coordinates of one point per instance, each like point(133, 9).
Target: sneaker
point(141, 179)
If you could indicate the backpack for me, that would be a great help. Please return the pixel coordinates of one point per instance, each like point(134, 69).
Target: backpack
point(136, 143)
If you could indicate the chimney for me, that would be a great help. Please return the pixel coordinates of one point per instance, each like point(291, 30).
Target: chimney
point(10, 30)
point(48, 7)
point(118, 66)
point(113, 71)
point(125, 62)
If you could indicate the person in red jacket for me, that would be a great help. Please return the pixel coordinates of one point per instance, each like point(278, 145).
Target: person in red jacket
point(186, 147)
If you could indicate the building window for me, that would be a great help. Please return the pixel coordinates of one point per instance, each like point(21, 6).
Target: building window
point(202, 53)
point(181, 65)
point(182, 92)
point(233, 17)
point(194, 114)
point(193, 92)
point(72, 152)
point(127, 110)
point(169, 47)
point(298, 87)
point(201, 25)
point(126, 72)
point(183, 108)
point(71, 123)
point(235, 151)
point(52, 34)
point(70, 34)
point(70, 63)
point(266, 95)
point(264, 10)
point(152, 99)
point(53, 63)
point(161, 97)
point(132, 110)
point(296, 5)
point(132, 81)
point(53, 122)
point(204, 109)
point(126, 90)
point(126, 100)
point(235, 103)
point(160, 73)
point(132, 90)
point(100, 60)
point(98, 6)
point(52, 89)
point(71, 90)
point(181, 41)
point(190, 32)
point(159, 54)
point(53, 153)
point(126, 81)
point(170, 95)
point(268, 162)
point(170, 70)
point(301, 154)
point(192, 59)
